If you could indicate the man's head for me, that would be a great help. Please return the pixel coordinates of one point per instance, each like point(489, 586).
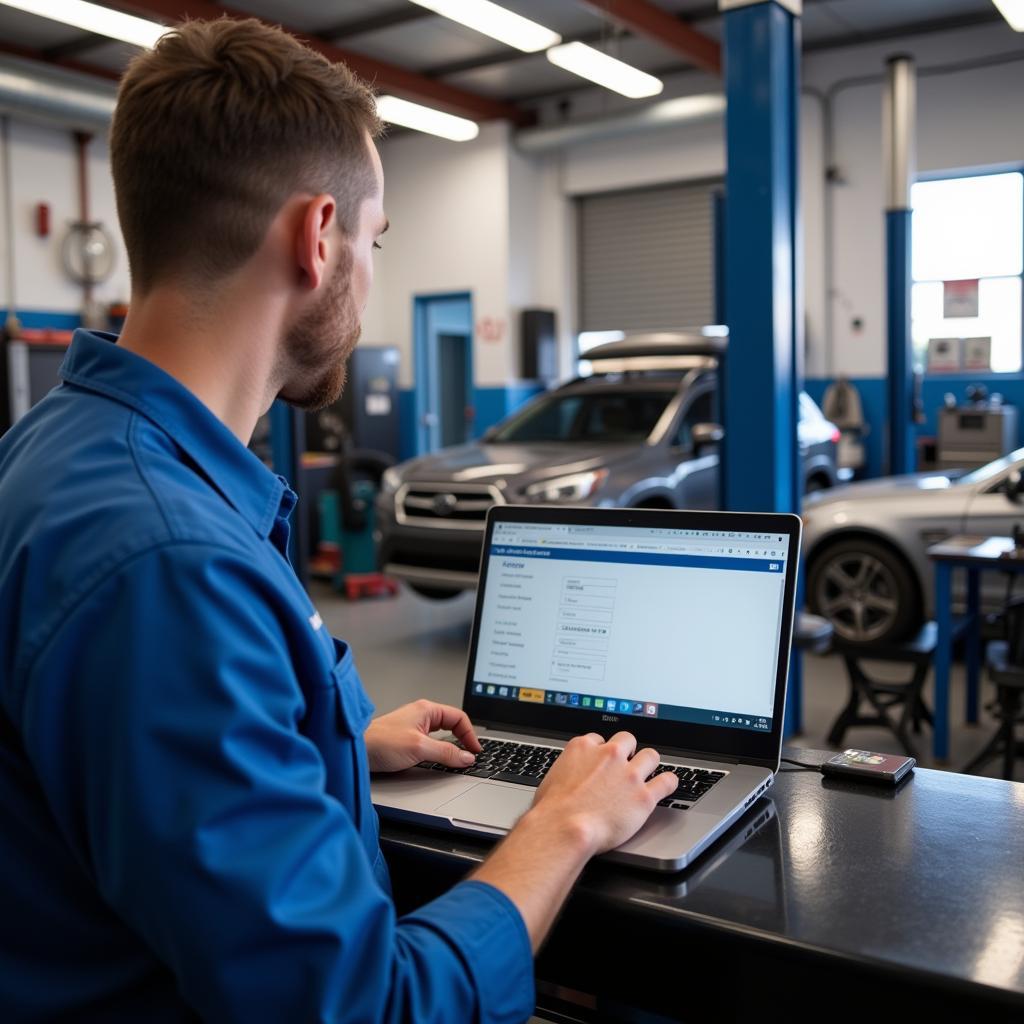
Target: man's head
point(229, 133)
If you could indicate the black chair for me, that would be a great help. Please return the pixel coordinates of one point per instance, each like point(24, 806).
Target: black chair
point(882, 696)
point(1006, 670)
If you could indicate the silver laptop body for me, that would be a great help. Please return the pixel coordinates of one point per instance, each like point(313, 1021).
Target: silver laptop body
point(675, 626)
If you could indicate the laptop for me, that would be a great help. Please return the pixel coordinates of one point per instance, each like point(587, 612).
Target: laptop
point(673, 625)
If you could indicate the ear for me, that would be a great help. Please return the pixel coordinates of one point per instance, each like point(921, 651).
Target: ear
point(313, 240)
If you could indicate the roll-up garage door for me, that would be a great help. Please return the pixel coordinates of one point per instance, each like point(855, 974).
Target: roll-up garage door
point(646, 258)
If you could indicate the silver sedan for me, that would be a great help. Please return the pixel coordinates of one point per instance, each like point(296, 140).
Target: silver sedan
point(867, 567)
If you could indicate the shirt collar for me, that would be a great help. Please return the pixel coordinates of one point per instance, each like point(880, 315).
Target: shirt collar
point(97, 363)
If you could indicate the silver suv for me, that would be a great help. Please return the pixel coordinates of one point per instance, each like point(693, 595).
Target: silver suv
point(640, 431)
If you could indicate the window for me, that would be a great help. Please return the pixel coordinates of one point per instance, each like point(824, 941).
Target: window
point(607, 417)
point(968, 257)
point(701, 411)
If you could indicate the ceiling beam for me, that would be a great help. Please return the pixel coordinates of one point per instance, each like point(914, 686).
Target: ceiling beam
point(63, 62)
point(74, 47)
point(381, 75)
point(643, 18)
point(593, 37)
point(374, 23)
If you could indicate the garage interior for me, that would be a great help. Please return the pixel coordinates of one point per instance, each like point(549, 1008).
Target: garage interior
point(661, 293)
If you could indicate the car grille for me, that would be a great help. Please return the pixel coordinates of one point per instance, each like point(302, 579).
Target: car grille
point(448, 506)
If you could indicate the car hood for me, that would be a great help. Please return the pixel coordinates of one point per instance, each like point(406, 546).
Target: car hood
point(893, 488)
point(479, 463)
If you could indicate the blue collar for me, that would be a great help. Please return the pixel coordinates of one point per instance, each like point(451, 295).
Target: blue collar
point(95, 362)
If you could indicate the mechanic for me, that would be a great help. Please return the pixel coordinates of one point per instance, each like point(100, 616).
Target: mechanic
point(185, 819)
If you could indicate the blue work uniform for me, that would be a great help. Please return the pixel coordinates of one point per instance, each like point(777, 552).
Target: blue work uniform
point(185, 817)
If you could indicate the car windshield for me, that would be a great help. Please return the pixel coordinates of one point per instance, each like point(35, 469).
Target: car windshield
point(612, 416)
point(992, 469)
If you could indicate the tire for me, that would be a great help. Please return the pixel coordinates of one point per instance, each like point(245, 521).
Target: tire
point(434, 593)
point(817, 483)
point(866, 590)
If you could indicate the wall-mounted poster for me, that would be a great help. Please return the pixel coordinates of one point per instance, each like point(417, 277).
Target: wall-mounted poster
point(977, 353)
point(943, 355)
point(959, 299)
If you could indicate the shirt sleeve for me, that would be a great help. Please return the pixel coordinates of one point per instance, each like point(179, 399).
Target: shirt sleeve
point(162, 720)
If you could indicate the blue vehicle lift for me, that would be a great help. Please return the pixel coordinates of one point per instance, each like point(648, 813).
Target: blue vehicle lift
point(763, 297)
point(899, 116)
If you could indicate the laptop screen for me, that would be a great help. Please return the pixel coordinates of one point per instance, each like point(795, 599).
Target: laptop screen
point(671, 624)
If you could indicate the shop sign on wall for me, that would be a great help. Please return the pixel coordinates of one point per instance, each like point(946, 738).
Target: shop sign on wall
point(951, 355)
point(943, 355)
point(959, 299)
point(977, 354)
point(490, 328)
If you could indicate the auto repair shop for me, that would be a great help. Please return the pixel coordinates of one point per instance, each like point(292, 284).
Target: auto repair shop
point(621, 567)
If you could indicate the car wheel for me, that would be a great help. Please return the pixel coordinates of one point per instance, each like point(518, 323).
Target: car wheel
point(817, 483)
point(434, 593)
point(866, 590)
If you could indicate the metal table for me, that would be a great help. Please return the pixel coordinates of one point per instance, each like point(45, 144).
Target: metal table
point(974, 554)
point(846, 896)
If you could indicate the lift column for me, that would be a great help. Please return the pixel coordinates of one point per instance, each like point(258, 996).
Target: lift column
point(898, 117)
point(763, 297)
point(761, 56)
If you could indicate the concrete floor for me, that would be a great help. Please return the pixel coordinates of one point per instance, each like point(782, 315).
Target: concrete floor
point(409, 647)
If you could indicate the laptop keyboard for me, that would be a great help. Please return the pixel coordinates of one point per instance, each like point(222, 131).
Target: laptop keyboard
point(527, 763)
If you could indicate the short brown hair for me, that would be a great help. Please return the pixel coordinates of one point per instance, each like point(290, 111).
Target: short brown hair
point(215, 128)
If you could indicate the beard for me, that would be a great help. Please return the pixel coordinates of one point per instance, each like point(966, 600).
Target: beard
point(318, 345)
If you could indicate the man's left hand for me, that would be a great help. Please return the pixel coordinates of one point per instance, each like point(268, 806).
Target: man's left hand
point(402, 737)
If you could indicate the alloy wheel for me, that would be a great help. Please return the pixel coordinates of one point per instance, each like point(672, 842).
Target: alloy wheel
point(859, 594)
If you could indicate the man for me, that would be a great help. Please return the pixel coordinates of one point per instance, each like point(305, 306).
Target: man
point(185, 820)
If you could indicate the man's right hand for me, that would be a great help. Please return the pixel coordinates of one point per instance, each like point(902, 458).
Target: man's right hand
point(601, 788)
point(594, 798)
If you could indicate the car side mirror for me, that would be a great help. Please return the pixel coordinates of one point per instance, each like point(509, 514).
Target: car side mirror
point(1014, 486)
point(706, 435)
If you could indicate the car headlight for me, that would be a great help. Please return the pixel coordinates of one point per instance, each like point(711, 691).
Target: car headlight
point(390, 481)
point(567, 488)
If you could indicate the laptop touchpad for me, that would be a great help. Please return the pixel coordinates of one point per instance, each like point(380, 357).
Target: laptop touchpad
point(492, 806)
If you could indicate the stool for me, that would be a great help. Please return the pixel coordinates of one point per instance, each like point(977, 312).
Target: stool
point(883, 696)
point(812, 633)
point(1009, 682)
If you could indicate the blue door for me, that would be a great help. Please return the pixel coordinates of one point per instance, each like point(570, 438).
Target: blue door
point(443, 326)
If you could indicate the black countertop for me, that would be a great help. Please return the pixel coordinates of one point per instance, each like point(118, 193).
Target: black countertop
point(834, 890)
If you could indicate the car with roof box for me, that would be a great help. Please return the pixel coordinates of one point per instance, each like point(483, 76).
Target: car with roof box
point(638, 428)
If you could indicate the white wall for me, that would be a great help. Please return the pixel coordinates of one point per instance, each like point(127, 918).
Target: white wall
point(448, 206)
point(485, 218)
point(44, 169)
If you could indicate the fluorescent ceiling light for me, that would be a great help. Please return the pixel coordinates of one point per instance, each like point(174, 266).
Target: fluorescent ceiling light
point(1013, 12)
point(496, 22)
point(598, 67)
point(426, 119)
point(94, 18)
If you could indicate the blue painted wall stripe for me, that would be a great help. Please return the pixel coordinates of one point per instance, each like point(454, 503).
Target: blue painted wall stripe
point(40, 319)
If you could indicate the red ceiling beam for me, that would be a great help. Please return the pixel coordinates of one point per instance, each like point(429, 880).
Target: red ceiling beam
point(645, 19)
point(64, 62)
point(383, 76)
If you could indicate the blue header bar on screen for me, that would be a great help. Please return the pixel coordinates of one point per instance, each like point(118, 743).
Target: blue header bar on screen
point(640, 558)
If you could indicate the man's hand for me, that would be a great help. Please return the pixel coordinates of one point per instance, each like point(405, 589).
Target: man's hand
point(600, 789)
point(594, 798)
point(402, 738)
